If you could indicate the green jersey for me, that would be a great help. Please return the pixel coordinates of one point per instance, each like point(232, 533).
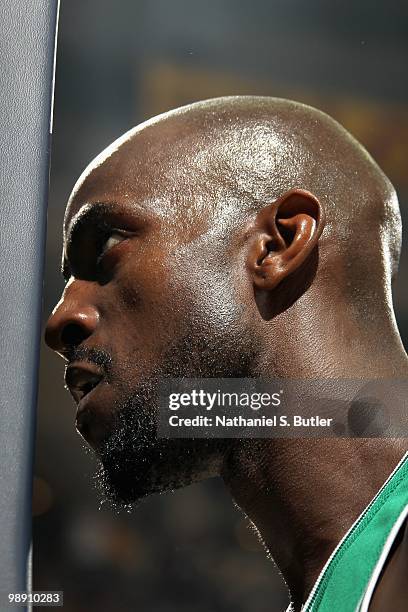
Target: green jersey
point(348, 579)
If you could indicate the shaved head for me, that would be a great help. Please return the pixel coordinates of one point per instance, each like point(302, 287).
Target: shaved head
point(233, 237)
point(235, 154)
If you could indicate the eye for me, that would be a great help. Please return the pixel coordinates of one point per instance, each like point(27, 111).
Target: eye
point(113, 239)
point(110, 240)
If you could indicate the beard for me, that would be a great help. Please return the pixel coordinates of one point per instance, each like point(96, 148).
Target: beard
point(134, 462)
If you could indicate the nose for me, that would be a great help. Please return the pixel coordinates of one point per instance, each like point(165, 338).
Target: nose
point(72, 321)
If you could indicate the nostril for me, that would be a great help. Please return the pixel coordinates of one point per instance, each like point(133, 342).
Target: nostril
point(73, 334)
point(70, 323)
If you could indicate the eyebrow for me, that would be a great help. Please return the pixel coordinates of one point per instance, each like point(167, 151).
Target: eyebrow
point(87, 217)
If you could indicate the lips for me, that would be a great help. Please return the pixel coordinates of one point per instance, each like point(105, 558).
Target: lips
point(81, 379)
point(94, 397)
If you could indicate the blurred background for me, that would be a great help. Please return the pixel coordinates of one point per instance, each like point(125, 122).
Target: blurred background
point(119, 63)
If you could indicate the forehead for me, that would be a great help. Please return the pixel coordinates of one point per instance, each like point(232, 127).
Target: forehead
point(151, 167)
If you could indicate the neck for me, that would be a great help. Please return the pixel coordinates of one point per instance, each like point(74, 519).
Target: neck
point(336, 340)
point(302, 495)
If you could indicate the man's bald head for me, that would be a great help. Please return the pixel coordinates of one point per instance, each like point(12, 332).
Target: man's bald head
point(220, 161)
point(236, 237)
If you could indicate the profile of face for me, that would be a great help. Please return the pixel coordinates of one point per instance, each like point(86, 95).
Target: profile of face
point(182, 243)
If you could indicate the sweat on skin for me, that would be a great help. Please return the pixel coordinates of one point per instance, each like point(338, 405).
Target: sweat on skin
point(235, 237)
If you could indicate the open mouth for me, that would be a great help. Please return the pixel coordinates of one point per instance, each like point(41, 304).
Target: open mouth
point(81, 379)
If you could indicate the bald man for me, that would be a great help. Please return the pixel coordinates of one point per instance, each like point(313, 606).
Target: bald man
point(244, 237)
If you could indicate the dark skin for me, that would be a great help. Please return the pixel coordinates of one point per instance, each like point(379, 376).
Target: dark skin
point(252, 226)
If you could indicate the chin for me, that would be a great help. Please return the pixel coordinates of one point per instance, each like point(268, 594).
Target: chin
point(168, 465)
point(135, 463)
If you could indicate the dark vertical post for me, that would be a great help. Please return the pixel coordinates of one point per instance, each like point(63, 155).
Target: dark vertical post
point(27, 45)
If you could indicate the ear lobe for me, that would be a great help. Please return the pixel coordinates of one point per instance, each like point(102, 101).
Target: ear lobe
point(287, 232)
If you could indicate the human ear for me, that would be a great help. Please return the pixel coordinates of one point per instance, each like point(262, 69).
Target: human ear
point(286, 233)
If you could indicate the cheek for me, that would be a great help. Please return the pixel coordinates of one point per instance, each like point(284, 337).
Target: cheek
point(145, 286)
point(161, 298)
point(148, 304)
point(209, 291)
